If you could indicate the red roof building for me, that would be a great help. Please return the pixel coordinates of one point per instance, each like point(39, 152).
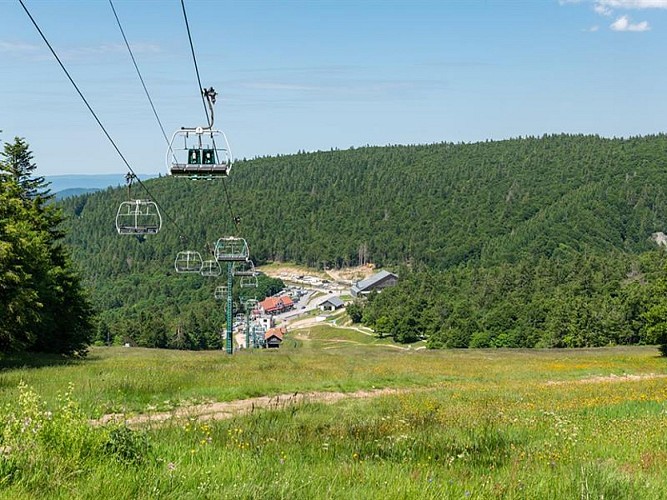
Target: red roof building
point(276, 305)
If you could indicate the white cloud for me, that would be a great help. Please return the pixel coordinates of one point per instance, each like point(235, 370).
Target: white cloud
point(602, 10)
point(592, 29)
point(18, 47)
point(39, 51)
point(111, 48)
point(632, 4)
point(623, 24)
point(607, 8)
point(280, 86)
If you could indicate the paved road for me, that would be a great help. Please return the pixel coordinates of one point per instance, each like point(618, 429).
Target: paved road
point(305, 304)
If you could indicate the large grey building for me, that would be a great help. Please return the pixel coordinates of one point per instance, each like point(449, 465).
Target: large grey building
point(377, 282)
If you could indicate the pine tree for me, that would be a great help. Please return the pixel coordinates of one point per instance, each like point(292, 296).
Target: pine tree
point(17, 163)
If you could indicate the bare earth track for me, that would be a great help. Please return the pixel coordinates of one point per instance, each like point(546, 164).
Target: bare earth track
point(609, 378)
point(230, 409)
point(221, 411)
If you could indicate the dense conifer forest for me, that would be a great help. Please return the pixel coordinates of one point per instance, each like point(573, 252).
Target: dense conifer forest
point(520, 243)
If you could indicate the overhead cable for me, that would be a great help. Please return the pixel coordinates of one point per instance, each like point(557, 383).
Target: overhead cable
point(92, 112)
point(143, 84)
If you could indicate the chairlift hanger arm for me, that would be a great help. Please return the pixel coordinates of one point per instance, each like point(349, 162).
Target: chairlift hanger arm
point(210, 94)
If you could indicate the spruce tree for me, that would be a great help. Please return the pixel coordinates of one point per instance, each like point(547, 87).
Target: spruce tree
point(43, 305)
point(17, 163)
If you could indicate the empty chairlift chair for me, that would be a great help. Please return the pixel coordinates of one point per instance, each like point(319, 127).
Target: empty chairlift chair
point(138, 217)
point(257, 332)
point(220, 292)
point(199, 153)
point(231, 249)
point(250, 306)
point(188, 261)
point(246, 271)
point(211, 268)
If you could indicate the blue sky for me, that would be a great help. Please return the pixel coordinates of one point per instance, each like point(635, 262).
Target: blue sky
point(316, 75)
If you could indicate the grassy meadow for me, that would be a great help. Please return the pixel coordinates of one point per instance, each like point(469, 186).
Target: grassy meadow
point(587, 423)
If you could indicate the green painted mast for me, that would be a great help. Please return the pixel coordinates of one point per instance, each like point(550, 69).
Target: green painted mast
point(229, 344)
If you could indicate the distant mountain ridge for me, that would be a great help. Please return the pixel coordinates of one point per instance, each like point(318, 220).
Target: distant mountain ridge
point(60, 183)
point(66, 193)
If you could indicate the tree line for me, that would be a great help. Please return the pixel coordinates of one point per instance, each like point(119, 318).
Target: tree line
point(586, 300)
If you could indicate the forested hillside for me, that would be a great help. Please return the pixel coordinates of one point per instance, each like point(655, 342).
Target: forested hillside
point(527, 204)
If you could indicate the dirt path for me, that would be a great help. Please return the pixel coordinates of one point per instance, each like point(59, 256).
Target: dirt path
point(608, 378)
point(221, 411)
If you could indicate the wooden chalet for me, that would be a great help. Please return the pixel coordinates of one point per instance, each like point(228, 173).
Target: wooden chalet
point(274, 337)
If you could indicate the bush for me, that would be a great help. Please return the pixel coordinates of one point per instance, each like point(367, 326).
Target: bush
point(42, 448)
point(127, 446)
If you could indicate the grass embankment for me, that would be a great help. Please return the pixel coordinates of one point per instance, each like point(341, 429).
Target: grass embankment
point(478, 424)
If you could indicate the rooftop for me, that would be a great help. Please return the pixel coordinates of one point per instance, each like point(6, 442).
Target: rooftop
point(372, 280)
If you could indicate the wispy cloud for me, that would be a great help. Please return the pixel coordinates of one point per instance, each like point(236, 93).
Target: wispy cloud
point(348, 90)
point(608, 8)
point(603, 10)
point(23, 49)
point(110, 48)
point(623, 24)
point(633, 4)
point(281, 86)
point(592, 29)
point(18, 47)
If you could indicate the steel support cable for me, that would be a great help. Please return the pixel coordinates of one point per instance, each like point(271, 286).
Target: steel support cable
point(141, 79)
point(235, 218)
point(92, 112)
point(194, 58)
point(204, 97)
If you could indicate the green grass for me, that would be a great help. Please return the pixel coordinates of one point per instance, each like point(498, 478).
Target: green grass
point(470, 424)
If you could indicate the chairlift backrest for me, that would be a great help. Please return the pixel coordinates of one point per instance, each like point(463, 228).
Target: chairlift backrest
point(199, 153)
point(211, 268)
point(231, 249)
point(188, 261)
point(244, 268)
point(220, 292)
point(138, 217)
point(248, 282)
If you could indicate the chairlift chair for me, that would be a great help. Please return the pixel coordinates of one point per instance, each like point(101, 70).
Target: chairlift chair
point(257, 332)
point(246, 270)
point(250, 304)
point(211, 268)
point(220, 292)
point(231, 249)
point(248, 282)
point(188, 261)
point(199, 153)
point(138, 217)
point(239, 321)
